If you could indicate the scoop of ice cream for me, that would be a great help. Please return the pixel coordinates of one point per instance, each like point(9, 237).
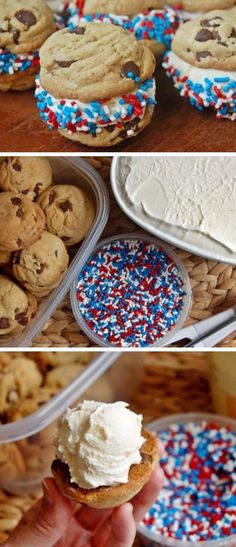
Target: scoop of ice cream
point(99, 442)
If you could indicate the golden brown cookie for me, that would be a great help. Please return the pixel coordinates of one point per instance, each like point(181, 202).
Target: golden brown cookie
point(199, 5)
point(13, 307)
point(106, 497)
point(18, 379)
point(31, 403)
point(69, 212)
point(29, 176)
point(41, 266)
point(208, 41)
point(25, 221)
point(91, 101)
point(24, 26)
point(5, 257)
point(47, 360)
point(121, 7)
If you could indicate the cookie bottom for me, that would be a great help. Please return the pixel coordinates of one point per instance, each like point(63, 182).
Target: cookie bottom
point(106, 497)
point(157, 48)
point(19, 81)
point(111, 138)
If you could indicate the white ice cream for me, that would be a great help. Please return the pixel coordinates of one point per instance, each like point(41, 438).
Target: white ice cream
point(99, 442)
point(194, 193)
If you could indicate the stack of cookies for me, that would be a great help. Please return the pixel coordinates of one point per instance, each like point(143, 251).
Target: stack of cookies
point(24, 26)
point(38, 222)
point(173, 382)
point(202, 61)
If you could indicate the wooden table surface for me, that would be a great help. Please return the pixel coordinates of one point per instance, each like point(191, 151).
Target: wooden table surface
point(176, 127)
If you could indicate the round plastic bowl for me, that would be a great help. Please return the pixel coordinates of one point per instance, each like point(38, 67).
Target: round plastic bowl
point(183, 273)
point(153, 539)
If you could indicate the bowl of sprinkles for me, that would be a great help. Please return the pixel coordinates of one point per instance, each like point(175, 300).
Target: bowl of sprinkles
point(132, 292)
point(197, 505)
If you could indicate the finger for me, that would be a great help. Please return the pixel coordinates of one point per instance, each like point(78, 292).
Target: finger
point(146, 497)
point(49, 523)
point(160, 448)
point(90, 518)
point(123, 528)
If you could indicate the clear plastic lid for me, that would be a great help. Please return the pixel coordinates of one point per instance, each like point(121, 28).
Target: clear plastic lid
point(52, 410)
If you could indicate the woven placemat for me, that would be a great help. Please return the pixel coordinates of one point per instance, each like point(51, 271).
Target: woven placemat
point(213, 283)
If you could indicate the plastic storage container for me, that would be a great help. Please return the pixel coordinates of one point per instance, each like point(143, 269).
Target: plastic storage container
point(187, 301)
point(78, 172)
point(222, 375)
point(152, 539)
point(29, 442)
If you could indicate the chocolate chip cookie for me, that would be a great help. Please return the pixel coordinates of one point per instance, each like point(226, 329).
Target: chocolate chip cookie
point(28, 176)
point(152, 23)
point(69, 212)
point(18, 378)
point(21, 221)
point(201, 6)
point(41, 266)
point(24, 26)
point(202, 62)
point(208, 41)
point(13, 307)
point(100, 101)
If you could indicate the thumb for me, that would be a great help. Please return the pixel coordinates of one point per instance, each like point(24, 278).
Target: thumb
point(49, 523)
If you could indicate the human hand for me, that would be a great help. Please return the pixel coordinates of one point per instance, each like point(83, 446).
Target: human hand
point(51, 522)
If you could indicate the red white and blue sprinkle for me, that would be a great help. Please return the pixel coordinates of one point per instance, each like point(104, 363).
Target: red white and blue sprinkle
point(198, 501)
point(11, 62)
point(217, 93)
point(130, 293)
point(93, 117)
point(158, 25)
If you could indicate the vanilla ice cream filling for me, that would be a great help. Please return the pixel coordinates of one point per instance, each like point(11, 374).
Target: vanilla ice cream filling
point(99, 442)
point(194, 193)
point(74, 115)
point(203, 87)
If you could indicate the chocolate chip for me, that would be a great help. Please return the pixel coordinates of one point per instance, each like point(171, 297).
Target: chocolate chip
point(40, 269)
point(51, 197)
point(56, 254)
point(233, 33)
point(66, 206)
point(65, 238)
point(16, 166)
point(110, 128)
point(26, 17)
point(19, 212)
point(4, 323)
point(16, 201)
point(204, 35)
point(202, 55)
point(16, 35)
point(21, 318)
point(16, 257)
point(37, 188)
point(25, 192)
point(128, 67)
point(209, 23)
point(78, 30)
point(65, 64)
